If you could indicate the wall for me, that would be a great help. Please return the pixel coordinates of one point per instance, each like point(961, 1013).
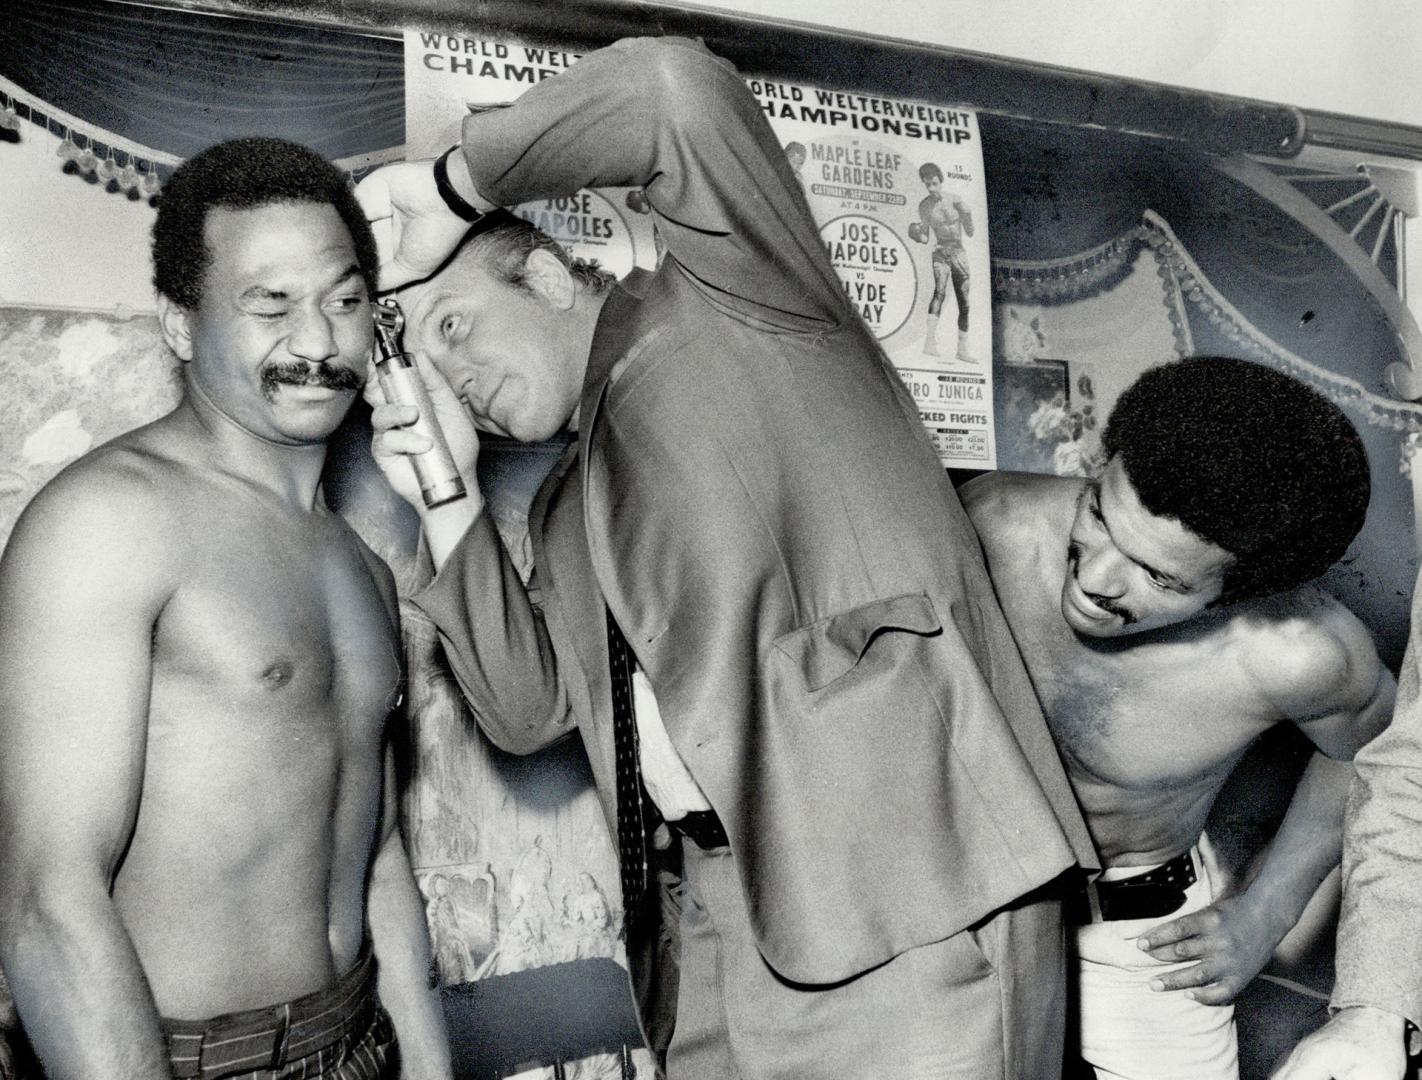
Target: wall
point(1350, 56)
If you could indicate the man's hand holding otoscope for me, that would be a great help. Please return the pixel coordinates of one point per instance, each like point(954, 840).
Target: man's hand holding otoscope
point(425, 443)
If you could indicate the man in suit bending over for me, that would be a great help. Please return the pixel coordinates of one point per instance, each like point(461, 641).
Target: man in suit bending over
point(868, 808)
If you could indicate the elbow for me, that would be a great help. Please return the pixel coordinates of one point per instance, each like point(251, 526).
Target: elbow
point(523, 734)
point(38, 919)
point(679, 76)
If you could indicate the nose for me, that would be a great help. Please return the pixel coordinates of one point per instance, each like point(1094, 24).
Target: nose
point(312, 338)
point(1100, 570)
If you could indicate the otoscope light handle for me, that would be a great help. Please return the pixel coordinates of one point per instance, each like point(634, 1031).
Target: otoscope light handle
point(439, 477)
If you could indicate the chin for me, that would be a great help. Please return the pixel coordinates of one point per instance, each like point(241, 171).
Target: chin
point(317, 431)
point(317, 422)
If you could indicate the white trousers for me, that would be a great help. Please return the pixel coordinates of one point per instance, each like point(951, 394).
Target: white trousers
point(1129, 1031)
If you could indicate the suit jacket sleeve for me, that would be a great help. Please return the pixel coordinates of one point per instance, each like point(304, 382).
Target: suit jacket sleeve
point(666, 115)
point(497, 644)
point(1379, 956)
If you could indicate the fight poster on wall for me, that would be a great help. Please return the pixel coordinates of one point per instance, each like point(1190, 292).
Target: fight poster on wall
point(895, 186)
point(448, 76)
point(897, 190)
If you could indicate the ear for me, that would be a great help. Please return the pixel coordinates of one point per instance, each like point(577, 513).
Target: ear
point(546, 275)
point(177, 330)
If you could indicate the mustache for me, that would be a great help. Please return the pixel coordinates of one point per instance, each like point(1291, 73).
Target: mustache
point(296, 373)
point(1105, 603)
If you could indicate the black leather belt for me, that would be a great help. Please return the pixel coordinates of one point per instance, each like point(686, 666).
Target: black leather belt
point(1151, 895)
point(703, 828)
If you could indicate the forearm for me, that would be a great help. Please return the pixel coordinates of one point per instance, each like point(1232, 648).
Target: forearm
point(496, 644)
point(396, 916)
point(1307, 846)
point(78, 986)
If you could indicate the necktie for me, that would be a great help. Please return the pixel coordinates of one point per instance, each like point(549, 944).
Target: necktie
point(631, 828)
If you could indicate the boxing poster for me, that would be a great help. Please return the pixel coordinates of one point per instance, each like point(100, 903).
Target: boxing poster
point(447, 76)
point(896, 188)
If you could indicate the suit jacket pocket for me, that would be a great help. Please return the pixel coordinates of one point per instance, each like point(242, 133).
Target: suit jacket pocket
point(826, 650)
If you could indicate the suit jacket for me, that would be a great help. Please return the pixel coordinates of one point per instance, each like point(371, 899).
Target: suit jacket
point(753, 496)
point(1379, 949)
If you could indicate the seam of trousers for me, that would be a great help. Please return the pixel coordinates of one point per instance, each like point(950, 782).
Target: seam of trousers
point(720, 969)
point(1000, 931)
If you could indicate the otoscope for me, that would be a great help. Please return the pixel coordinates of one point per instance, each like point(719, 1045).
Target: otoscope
point(439, 477)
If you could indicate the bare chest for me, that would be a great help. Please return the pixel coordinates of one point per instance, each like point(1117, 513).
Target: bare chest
point(1155, 715)
point(278, 621)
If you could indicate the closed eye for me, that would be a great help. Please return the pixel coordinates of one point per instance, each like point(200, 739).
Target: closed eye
point(1094, 505)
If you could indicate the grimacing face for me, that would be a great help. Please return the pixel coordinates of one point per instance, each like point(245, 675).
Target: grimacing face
point(1129, 570)
point(279, 341)
point(505, 350)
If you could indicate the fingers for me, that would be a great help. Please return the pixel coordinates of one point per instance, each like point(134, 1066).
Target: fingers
point(414, 231)
point(1190, 948)
point(373, 194)
point(386, 417)
point(1187, 926)
point(398, 441)
point(374, 393)
point(393, 436)
point(1200, 982)
point(1184, 978)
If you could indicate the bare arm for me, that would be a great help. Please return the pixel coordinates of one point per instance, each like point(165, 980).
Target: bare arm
point(964, 215)
point(1341, 696)
point(80, 591)
point(396, 915)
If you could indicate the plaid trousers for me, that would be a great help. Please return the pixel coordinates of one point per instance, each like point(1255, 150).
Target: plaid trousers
point(337, 1034)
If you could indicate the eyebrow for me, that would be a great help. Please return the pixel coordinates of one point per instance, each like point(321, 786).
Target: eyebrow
point(1170, 579)
point(261, 292)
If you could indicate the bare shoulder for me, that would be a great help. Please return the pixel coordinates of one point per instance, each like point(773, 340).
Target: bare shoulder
point(1017, 505)
point(1306, 651)
point(108, 512)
